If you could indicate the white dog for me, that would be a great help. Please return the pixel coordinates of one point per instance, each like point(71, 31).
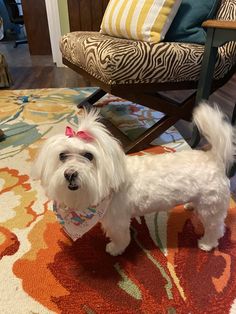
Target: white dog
point(89, 167)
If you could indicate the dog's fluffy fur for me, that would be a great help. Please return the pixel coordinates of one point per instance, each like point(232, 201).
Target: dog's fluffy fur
point(141, 184)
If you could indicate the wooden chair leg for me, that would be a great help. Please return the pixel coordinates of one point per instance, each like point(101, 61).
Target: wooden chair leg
point(151, 134)
point(233, 122)
point(2, 135)
point(124, 140)
point(88, 102)
point(232, 171)
point(142, 141)
point(205, 79)
point(233, 119)
point(196, 137)
point(207, 68)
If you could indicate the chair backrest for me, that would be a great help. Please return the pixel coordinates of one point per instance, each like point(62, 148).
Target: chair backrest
point(13, 11)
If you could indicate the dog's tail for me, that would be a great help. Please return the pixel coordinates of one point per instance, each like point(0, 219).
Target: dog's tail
point(214, 126)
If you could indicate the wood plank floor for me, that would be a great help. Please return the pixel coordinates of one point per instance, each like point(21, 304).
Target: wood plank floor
point(37, 71)
point(45, 77)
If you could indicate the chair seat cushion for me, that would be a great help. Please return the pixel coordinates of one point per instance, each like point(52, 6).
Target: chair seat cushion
point(121, 61)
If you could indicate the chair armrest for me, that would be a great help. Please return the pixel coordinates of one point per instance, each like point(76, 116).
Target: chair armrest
point(219, 24)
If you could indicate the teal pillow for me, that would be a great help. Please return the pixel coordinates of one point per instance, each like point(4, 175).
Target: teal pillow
point(186, 26)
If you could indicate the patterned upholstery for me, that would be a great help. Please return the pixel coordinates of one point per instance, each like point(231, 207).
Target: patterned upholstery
point(122, 61)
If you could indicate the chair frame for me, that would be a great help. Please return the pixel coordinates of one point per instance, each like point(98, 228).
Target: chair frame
point(218, 33)
point(147, 94)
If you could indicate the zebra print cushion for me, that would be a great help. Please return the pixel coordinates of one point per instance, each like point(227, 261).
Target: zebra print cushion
point(122, 61)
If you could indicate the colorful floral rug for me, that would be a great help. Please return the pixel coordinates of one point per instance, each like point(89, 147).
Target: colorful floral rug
point(134, 119)
point(42, 271)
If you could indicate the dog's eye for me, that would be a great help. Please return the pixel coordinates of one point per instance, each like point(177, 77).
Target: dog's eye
point(88, 156)
point(62, 156)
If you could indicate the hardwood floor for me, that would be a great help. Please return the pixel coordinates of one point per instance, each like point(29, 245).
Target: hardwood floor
point(37, 71)
point(45, 77)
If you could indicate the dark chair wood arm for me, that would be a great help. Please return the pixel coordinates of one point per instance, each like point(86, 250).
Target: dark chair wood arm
point(219, 24)
point(219, 32)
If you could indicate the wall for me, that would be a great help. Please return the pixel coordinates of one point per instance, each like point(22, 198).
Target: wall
point(64, 18)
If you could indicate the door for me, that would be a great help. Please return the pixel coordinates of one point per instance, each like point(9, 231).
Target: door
point(86, 15)
point(36, 25)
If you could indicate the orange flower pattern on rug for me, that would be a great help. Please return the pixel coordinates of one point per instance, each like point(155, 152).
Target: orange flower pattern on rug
point(43, 271)
point(9, 243)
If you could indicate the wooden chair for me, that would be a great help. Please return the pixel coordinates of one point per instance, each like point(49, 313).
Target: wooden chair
point(219, 32)
point(120, 67)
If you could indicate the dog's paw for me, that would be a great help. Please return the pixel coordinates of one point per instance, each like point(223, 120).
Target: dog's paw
point(114, 250)
point(205, 246)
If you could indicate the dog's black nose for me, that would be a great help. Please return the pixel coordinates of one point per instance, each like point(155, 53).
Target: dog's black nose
point(70, 175)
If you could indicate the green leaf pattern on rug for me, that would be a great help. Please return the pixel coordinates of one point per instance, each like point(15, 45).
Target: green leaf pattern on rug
point(127, 285)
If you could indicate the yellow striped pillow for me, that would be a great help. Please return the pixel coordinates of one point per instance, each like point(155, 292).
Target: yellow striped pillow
point(147, 20)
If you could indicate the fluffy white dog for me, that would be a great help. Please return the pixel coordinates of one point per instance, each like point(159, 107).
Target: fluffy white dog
point(83, 168)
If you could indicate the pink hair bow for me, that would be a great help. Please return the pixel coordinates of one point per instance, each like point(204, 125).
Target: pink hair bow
point(83, 135)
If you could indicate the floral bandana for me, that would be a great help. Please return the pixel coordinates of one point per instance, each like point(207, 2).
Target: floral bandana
point(77, 222)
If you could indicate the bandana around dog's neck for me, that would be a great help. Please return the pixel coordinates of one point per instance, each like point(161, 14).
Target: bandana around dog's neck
point(77, 222)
